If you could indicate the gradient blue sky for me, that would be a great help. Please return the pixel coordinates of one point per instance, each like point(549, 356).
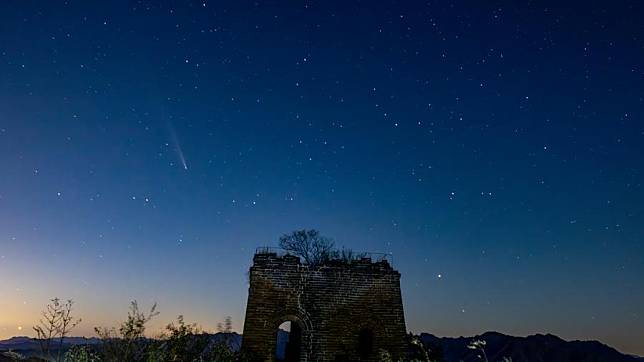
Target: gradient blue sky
point(496, 149)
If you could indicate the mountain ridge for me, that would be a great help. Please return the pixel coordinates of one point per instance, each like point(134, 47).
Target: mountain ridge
point(533, 348)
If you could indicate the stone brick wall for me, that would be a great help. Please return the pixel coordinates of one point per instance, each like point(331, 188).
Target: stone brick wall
point(333, 304)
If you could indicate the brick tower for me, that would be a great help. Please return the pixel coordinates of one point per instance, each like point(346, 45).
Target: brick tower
point(339, 311)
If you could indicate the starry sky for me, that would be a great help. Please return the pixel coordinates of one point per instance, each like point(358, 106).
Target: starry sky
point(494, 148)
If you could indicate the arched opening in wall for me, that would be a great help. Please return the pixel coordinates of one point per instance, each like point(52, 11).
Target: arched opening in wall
point(289, 342)
point(365, 343)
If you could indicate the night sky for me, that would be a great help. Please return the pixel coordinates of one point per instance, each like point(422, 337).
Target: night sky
point(496, 149)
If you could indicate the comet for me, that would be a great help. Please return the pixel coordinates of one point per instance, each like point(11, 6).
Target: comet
point(177, 146)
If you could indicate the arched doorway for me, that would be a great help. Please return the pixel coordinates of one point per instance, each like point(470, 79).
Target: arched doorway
point(365, 343)
point(288, 345)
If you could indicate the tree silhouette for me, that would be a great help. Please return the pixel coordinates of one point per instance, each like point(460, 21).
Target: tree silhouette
point(129, 342)
point(56, 323)
point(309, 245)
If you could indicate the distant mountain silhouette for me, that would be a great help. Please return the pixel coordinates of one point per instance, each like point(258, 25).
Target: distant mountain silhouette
point(535, 348)
point(30, 347)
point(27, 343)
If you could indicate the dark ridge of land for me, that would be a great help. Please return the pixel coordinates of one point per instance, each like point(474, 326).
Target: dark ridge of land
point(534, 348)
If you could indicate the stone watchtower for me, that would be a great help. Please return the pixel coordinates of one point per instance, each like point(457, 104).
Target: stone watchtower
point(339, 311)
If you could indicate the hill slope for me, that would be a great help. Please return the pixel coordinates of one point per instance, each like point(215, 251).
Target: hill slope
point(535, 348)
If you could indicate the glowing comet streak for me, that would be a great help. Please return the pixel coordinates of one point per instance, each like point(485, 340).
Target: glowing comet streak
point(177, 146)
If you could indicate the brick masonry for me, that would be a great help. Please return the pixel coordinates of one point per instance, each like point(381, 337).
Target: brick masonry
point(334, 305)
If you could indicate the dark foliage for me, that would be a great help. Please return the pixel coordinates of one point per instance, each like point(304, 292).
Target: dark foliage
point(54, 326)
point(309, 245)
point(180, 342)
